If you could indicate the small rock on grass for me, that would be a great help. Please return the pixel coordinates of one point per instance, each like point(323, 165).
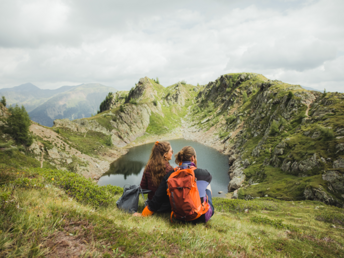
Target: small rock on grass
point(235, 194)
point(246, 211)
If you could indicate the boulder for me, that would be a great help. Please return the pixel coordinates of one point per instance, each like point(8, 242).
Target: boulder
point(316, 135)
point(246, 163)
point(340, 147)
point(339, 163)
point(236, 182)
point(286, 165)
point(318, 194)
point(275, 161)
point(235, 194)
point(54, 153)
point(231, 159)
point(36, 148)
point(336, 180)
point(278, 151)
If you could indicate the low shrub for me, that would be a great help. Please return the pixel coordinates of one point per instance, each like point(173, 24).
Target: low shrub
point(327, 133)
point(82, 189)
point(109, 141)
point(133, 101)
point(4, 196)
point(245, 98)
point(230, 119)
point(28, 183)
point(6, 144)
point(274, 128)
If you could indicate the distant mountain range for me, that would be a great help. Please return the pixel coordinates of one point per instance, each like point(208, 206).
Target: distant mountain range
point(44, 106)
point(309, 88)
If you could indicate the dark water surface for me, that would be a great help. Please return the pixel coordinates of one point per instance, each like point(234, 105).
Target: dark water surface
point(129, 168)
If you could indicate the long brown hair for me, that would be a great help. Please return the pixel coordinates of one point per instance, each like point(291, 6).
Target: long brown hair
point(157, 161)
point(185, 155)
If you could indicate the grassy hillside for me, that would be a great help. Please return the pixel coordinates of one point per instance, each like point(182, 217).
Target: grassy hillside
point(44, 213)
point(263, 125)
point(286, 140)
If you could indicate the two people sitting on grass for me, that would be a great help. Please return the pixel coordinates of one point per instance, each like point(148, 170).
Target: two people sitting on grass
point(186, 190)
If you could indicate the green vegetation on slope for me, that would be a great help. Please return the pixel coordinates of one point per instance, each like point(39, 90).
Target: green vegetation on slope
point(38, 215)
point(280, 131)
point(18, 124)
point(90, 143)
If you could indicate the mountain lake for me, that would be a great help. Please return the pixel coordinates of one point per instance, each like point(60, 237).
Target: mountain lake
point(129, 168)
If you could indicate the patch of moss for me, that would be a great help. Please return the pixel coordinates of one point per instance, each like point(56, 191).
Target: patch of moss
point(278, 184)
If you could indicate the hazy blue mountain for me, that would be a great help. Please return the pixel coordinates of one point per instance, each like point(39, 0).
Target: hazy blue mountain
point(29, 95)
point(309, 88)
point(79, 102)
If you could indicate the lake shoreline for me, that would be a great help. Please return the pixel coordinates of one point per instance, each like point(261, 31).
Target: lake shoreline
point(127, 170)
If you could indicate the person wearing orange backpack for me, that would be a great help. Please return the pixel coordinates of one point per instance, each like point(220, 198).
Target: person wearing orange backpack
point(171, 190)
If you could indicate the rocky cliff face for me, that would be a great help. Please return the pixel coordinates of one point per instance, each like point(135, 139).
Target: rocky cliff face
point(266, 126)
point(282, 140)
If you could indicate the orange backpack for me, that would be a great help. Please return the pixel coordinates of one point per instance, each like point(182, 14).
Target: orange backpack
point(184, 196)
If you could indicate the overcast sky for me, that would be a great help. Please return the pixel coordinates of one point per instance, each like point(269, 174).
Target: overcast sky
point(116, 42)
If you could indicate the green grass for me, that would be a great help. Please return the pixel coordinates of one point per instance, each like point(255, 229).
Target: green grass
point(90, 144)
point(17, 159)
point(105, 121)
point(159, 124)
point(38, 216)
point(278, 184)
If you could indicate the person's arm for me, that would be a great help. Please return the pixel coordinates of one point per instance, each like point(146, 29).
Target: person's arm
point(160, 195)
point(159, 198)
point(203, 174)
point(144, 181)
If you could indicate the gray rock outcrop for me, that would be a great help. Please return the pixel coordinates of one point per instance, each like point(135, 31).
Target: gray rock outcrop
point(237, 176)
point(335, 180)
point(318, 194)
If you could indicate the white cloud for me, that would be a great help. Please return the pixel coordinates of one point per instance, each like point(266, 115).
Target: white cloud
point(117, 42)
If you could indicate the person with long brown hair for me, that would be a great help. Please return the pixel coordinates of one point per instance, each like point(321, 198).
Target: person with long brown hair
point(157, 167)
point(186, 158)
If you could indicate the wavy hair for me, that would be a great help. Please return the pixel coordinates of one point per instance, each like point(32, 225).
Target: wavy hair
point(157, 161)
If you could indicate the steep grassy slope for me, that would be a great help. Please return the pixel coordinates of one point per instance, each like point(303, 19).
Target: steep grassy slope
point(50, 213)
point(269, 129)
point(280, 136)
point(148, 109)
point(262, 125)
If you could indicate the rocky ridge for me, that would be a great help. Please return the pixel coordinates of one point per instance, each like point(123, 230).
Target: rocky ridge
point(261, 124)
point(282, 141)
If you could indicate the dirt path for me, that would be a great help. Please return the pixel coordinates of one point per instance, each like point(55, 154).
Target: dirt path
point(308, 107)
point(42, 160)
